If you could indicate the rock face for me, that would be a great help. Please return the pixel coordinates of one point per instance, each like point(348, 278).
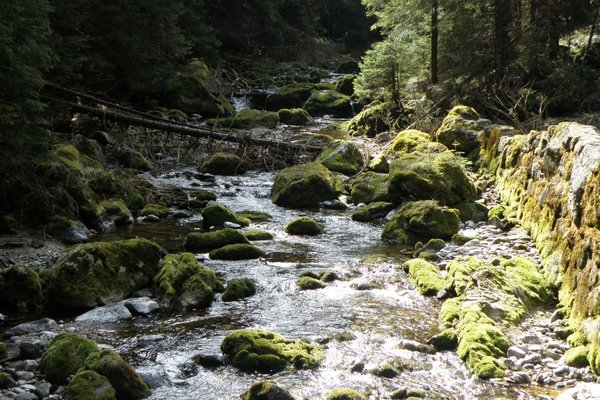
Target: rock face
point(93, 274)
point(303, 186)
point(552, 179)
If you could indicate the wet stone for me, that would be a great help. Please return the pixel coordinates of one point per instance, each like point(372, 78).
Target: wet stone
point(45, 324)
point(516, 351)
point(43, 389)
point(24, 375)
point(106, 314)
point(141, 305)
point(31, 350)
point(561, 371)
point(512, 363)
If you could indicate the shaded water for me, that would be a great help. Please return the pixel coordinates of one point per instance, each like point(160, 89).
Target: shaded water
point(379, 317)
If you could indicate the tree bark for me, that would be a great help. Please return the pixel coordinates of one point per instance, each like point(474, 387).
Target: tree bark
point(434, 40)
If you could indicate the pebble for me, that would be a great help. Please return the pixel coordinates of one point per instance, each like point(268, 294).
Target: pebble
point(232, 225)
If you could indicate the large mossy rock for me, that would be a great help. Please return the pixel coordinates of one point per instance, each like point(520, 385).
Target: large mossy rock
point(343, 157)
point(329, 102)
point(217, 214)
point(193, 91)
point(239, 251)
point(304, 186)
point(93, 274)
point(222, 164)
point(420, 221)
point(295, 116)
point(250, 118)
point(373, 119)
point(266, 390)
point(66, 353)
point(89, 385)
point(239, 289)
point(183, 282)
point(422, 176)
point(289, 96)
point(304, 226)
point(460, 130)
point(207, 241)
point(267, 352)
point(408, 141)
point(20, 289)
point(369, 187)
point(123, 378)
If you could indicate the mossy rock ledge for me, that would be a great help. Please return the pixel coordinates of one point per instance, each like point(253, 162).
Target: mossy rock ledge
point(268, 352)
point(183, 282)
point(93, 274)
point(420, 221)
point(304, 186)
point(424, 276)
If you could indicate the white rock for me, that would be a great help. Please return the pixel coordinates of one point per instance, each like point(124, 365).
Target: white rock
point(105, 314)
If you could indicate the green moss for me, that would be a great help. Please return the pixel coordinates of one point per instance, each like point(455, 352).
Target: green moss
point(408, 141)
point(424, 276)
point(460, 271)
point(203, 195)
point(263, 351)
point(304, 186)
point(373, 119)
point(239, 251)
point(460, 239)
point(372, 211)
point(304, 226)
point(486, 367)
point(6, 381)
point(380, 164)
point(576, 357)
point(346, 84)
point(20, 289)
point(460, 129)
point(255, 216)
point(421, 221)
point(158, 210)
point(222, 164)
point(445, 340)
point(450, 312)
point(93, 274)
point(133, 159)
point(472, 211)
point(66, 353)
point(369, 187)
point(182, 280)
point(343, 157)
point(206, 241)
point(258, 234)
point(328, 102)
point(126, 382)
point(386, 370)
point(89, 385)
point(249, 119)
point(498, 211)
point(289, 96)
point(576, 339)
point(119, 212)
point(70, 157)
point(217, 214)
point(309, 283)
point(295, 116)
point(344, 394)
point(266, 390)
point(238, 289)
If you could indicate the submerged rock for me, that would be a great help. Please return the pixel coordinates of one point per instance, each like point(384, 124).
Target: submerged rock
point(240, 251)
point(304, 186)
point(267, 352)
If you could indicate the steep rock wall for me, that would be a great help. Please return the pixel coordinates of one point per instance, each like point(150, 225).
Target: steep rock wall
point(552, 180)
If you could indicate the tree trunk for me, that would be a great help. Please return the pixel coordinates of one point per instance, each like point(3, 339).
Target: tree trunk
point(592, 32)
point(434, 41)
point(502, 20)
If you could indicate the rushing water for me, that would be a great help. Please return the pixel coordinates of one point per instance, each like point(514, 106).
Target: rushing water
point(386, 310)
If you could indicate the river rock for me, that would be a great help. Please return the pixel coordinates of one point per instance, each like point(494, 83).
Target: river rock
point(41, 325)
point(328, 102)
point(209, 361)
point(516, 351)
point(343, 157)
point(66, 353)
point(304, 226)
point(266, 390)
point(304, 186)
point(20, 289)
point(141, 305)
point(412, 345)
point(238, 289)
point(106, 314)
point(207, 241)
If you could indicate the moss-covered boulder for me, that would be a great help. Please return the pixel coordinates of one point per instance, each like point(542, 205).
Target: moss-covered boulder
point(345, 394)
point(328, 102)
point(374, 118)
point(266, 390)
point(222, 164)
point(192, 90)
point(369, 187)
point(372, 211)
point(206, 241)
point(420, 221)
point(93, 274)
point(304, 226)
point(66, 353)
point(240, 251)
point(20, 289)
point(131, 158)
point(89, 385)
point(304, 186)
point(183, 282)
point(445, 340)
point(122, 377)
point(408, 141)
point(460, 130)
point(255, 216)
point(346, 84)
point(258, 235)
point(158, 210)
point(263, 351)
point(380, 164)
point(472, 211)
point(289, 96)
point(217, 214)
point(309, 283)
point(250, 118)
point(423, 176)
point(295, 116)
point(424, 276)
point(343, 157)
point(239, 289)
point(576, 357)
point(118, 211)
